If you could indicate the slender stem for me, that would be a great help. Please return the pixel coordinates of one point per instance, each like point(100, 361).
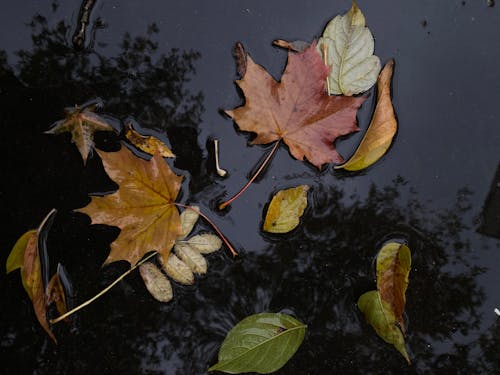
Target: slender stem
point(102, 292)
point(261, 168)
point(325, 51)
point(223, 238)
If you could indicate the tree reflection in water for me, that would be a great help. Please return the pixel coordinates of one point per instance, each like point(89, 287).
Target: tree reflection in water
point(317, 273)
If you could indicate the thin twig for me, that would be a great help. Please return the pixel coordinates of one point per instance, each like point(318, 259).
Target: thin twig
point(102, 292)
point(325, 52)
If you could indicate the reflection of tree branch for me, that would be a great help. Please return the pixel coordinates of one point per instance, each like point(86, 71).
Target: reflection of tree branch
point(78, 38)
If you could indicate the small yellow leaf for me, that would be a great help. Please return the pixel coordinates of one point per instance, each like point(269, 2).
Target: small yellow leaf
point(156, 282)
point(382, 129)
point(205, 243)
point(285, 209)
point(189, 217)
point(148, 144)
point(191, 257)
point(16, 256)
point(177, 269)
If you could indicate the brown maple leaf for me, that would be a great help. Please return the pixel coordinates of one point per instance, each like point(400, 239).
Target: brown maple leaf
point(82, 122)
point(297, 109)
point(143, 207)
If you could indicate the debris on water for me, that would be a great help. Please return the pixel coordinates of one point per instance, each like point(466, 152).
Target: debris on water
point(221, 172)
point(491, 3)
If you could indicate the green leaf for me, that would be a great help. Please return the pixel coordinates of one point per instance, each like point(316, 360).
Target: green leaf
point(16, 256)
point(260, 343)
point(285, 209)
point(347, 47)
point(393, 269)
point(378, 313)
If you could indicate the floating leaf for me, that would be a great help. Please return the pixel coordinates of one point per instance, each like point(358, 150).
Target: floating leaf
point(285, 209)
point(393, 269)
point(82, 122)
point(143, 207)
point(205, 243)
point(348, 49)
point(156, 282)
point(31, 270)
point(177, 269)
point(383, 126)
point(149, 144)
point(189, 217)
point(55, 293)
point(296, 109)
point(260, 343)
point(194, 260)
point(380, 316)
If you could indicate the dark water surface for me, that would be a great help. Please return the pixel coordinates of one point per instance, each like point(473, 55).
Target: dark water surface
point(169, 66)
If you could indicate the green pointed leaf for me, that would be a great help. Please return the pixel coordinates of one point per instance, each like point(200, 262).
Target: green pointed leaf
point(285, 209)
point(347, 46)
point(260, 343)
point(378, 313)
point(16, 256)
point(393, 269)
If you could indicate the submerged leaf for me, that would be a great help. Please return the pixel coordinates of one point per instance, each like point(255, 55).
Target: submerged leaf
point(177, 269)
point(285, 209)
point(143, 207)
point(149, 144)
point(296, 109)
point(55, 294)
point(382, 128)
point(393, 269)
point(378, 313)
point(156, 282)
point(260, 343)
point(82, 123)
point(348, 46)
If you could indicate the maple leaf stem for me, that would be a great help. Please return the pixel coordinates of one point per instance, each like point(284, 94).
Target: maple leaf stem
point(261, 168)
point(223, 238)
point(101, 293)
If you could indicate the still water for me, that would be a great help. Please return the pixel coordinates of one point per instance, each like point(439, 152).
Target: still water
point(169, 66)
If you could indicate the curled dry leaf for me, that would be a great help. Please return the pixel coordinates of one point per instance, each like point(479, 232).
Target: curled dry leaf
point(347, 46)
point(261, 343)
point(149, 144)
point(27, 249)
point(393, 269)
point(382, 129)
point(194, 260)
point(296, 45)
point(156, 282)
point(55, 293)
point(286, 209)
point(380, 316)
point(82, 123)
point(177, 270)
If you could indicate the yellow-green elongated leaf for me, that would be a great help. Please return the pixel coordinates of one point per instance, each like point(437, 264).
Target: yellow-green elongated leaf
point(393, 269)
point(382, 128)
point(16, 256)
point(156, 282)
point(347, 47)
point(260, 343)
point(285, 209)
point(378, 313)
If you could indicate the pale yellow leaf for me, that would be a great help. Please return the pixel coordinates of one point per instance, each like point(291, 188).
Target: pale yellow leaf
point(285, 209)
point(156, 282)
point(205, 243)
point(191, 257)
point(177, 270)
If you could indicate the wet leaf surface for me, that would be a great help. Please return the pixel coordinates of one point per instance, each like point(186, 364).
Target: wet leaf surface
point(156, 282)
point(382, 128)
point(149, 144)
point(285, 210)
point(261, 343)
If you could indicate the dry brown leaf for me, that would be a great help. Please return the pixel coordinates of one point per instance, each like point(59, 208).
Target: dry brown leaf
point(143, 207)
point(382, 129)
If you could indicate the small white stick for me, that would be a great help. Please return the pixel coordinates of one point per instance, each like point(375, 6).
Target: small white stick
point(497, 311)
point(221, 172)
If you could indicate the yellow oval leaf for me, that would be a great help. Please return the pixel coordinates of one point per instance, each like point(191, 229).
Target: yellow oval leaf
point(382, 129)
point(191, 257)
point(148, 144)
point(205, 243)
point(393, 269)
point(156, 282)
point(177, 269)
point(189, 217)
point(16, 256)
point(285, 209)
